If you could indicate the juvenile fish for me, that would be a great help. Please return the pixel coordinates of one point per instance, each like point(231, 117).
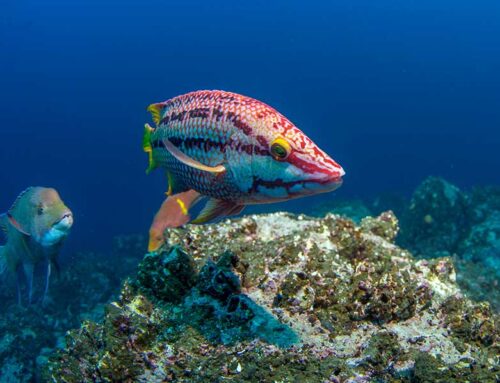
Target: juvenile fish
point(35, 228)
point(233, 149)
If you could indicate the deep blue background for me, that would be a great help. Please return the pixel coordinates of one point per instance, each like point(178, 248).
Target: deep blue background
point(393, 90)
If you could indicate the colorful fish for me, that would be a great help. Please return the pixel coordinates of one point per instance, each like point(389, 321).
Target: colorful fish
point(233, 149)
point(35, 227)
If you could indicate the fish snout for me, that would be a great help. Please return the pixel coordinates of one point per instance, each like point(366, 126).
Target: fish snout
point(65, 222)
point(327, 179)
point(58, 231)
point(334, 172)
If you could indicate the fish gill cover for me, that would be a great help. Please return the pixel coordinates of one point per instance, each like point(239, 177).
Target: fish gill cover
point(396, 91)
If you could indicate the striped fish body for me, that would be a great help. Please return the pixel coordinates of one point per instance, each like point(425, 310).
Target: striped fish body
point(235, 150)
point(212, 127)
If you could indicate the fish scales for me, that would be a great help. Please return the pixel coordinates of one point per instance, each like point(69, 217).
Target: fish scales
point(211, 127)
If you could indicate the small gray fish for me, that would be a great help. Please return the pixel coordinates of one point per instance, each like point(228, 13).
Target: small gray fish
point(35, 228)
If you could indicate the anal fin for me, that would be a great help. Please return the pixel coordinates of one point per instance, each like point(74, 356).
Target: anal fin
point(216, 208)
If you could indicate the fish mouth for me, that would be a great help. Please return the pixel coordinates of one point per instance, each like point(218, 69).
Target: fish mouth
point(58, 231)
point(321, 182)
point(314, 186)
point(64, 223)
point(327, 181)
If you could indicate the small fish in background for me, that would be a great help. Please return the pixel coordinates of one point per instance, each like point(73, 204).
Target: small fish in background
point(35, 228)
point(233, 149)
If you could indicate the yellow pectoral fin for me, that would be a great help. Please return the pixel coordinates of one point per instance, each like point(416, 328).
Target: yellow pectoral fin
point(186, 160)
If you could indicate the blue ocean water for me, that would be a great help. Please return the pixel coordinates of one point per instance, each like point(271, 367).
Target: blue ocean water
point(394, 91)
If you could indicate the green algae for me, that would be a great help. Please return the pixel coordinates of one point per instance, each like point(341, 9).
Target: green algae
point(382, 350)
point(430, 369)
point(472, 322)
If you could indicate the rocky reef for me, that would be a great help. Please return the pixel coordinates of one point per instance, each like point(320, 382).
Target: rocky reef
point(29, 334)
point(442, 220)
point(285, 298)
point(279, 297)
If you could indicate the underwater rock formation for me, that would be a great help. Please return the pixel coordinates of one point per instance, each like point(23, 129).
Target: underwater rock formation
point(442, 220)
point(436, 219)
point(285, 298)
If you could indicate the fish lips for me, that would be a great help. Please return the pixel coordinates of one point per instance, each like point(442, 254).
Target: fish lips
point(314, 186)
point(58, 231)
point(324, 182)
point(64, 223)
point(322, 186)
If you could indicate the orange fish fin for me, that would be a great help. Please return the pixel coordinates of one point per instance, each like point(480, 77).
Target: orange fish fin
point(155, 110)
point(174, 212)
point(216, 208)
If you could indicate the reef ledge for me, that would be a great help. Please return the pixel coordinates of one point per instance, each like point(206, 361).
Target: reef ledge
point(286, 298)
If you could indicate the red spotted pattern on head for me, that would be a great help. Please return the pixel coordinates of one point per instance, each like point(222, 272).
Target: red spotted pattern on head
point(305, 154)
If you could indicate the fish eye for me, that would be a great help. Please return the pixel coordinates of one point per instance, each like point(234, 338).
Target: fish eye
point(40, 210)
point(280, 149)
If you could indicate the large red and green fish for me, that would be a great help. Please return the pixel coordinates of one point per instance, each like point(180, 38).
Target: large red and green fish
point(233, 149)
point(35, 228)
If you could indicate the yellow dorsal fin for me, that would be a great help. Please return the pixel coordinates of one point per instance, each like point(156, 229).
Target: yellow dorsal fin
point(155, 110)
point(146, 145)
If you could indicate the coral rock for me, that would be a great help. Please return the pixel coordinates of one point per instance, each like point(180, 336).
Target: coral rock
point(286, 298)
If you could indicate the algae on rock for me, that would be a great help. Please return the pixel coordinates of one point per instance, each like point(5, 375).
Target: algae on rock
point(285, 298)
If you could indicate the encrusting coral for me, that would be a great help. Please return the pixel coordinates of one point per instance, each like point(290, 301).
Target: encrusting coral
point(285, 298)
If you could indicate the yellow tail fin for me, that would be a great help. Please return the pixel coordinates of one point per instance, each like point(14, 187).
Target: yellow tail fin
point(146, 145)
